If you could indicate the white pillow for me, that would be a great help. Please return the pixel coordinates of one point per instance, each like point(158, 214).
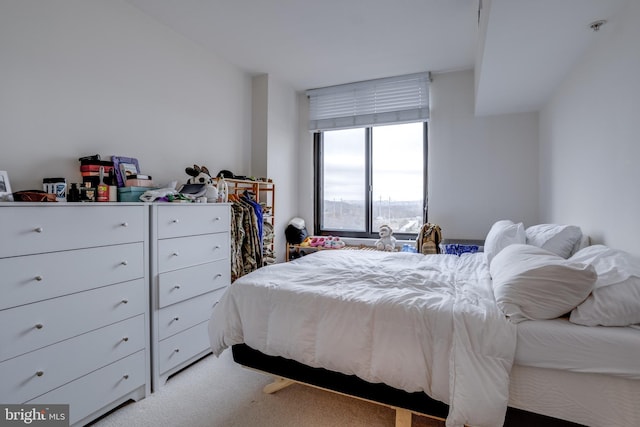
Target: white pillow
point(533, 283)
point(615, 300)
point(581, 244)
point(559, 239)
point(502, 234)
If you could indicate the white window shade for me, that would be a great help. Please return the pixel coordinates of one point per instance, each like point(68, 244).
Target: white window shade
point(399, 99)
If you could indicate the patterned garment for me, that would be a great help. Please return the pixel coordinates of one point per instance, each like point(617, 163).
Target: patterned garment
point(246, 246)
point(457, 249)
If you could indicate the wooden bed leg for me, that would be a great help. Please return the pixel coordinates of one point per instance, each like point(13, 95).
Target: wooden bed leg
point(276, 385)
point(403, 418)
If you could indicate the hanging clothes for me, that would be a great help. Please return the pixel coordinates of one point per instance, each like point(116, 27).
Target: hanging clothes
point(249, 197)
point(246, 245)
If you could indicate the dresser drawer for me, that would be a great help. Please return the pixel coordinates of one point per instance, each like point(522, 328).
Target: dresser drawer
point(187, 251)
point(37, 372)
point(33, 326)
point(179, 285)
point(33, 278)
point(36, 229)
point(92, 392)
point(183, 346)
point(183, 315)
point(189, 220)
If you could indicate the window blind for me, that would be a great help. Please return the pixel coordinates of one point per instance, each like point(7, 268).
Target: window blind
point(400, 99)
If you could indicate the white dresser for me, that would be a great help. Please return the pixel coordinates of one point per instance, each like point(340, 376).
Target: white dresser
point(190, 269)
point(74, 305)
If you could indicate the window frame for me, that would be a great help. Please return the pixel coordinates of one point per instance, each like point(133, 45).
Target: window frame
point(369, 233)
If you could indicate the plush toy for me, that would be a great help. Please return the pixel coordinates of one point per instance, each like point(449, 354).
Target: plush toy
point(386, 242)
point(199, 175)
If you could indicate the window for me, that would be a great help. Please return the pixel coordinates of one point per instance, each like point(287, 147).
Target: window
point(370, 176)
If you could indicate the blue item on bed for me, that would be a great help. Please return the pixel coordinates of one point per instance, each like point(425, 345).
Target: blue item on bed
point(457, 249)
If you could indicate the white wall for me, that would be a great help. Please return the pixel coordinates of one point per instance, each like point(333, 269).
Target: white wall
point(275, 147)
point(590, 150)
point(282, 155)
point(259, 125)
point(481, 169)
point(83, 77)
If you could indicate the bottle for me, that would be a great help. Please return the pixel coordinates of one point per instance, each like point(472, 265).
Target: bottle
point(87, 193)
point(57, 186)
point(103, 189)
point(113, 188)
point(74, 193)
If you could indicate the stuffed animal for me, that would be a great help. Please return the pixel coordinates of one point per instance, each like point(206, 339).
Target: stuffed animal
point(386, 242)
point(199, 175)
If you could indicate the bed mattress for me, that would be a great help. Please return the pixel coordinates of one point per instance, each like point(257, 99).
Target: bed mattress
point(560, 344)
point(414, 322)
point(589, 399)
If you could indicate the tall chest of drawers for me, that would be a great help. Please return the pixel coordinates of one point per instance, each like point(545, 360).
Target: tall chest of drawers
point(190, 269)
point(74, 308)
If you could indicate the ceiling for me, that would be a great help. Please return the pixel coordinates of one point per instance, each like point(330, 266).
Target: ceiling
point(523, 53)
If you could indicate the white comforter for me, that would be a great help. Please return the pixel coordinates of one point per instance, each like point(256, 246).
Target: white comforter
point(415, 322)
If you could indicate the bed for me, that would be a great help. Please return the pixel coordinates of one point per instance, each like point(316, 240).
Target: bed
point(438, 335)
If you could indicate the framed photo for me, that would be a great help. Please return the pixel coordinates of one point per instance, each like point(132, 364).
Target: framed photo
point(124, 167)
point(5, 188)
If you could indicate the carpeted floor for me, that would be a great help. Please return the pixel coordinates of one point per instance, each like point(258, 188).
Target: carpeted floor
point(216, 392)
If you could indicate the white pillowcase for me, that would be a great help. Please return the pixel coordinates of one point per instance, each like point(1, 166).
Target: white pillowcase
point(581, 244)
point(502, 234)
point(533, 283)
point(559, 239)
point(615, 300)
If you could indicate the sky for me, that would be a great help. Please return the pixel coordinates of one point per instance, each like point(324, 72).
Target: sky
point(397, 174)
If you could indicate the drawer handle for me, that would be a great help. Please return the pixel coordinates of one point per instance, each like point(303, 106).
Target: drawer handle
point(38, 278)
point(124, 224)
point(176, 253)
point(176, 287)
point(217, 247)
point(125, 376)
point(38, 229)
point(218, 218)
point(176, 350)
point(175, 221)
point(125, 301)
point(39, 326)
point(175, 319)
point(125, 339)
point(218, 275)
point(125, 262)
point(39, 373)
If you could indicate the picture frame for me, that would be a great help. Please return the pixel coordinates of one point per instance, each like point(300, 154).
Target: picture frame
point(123, 167)
point(6, 195)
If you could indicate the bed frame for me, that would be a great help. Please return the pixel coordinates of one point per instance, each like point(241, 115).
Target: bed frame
point(404, 403)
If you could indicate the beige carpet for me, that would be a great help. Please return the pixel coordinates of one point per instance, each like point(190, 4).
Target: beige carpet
point(216, 392)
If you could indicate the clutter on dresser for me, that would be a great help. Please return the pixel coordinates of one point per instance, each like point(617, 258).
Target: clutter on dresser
point(33, 196)
point(74, 193)
point(124, 167)
point(198, 175)
point(215, 190)
point(139, 180)
point(98, 181)
point(5, 188)
point(57, 186)
point(131, 182)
